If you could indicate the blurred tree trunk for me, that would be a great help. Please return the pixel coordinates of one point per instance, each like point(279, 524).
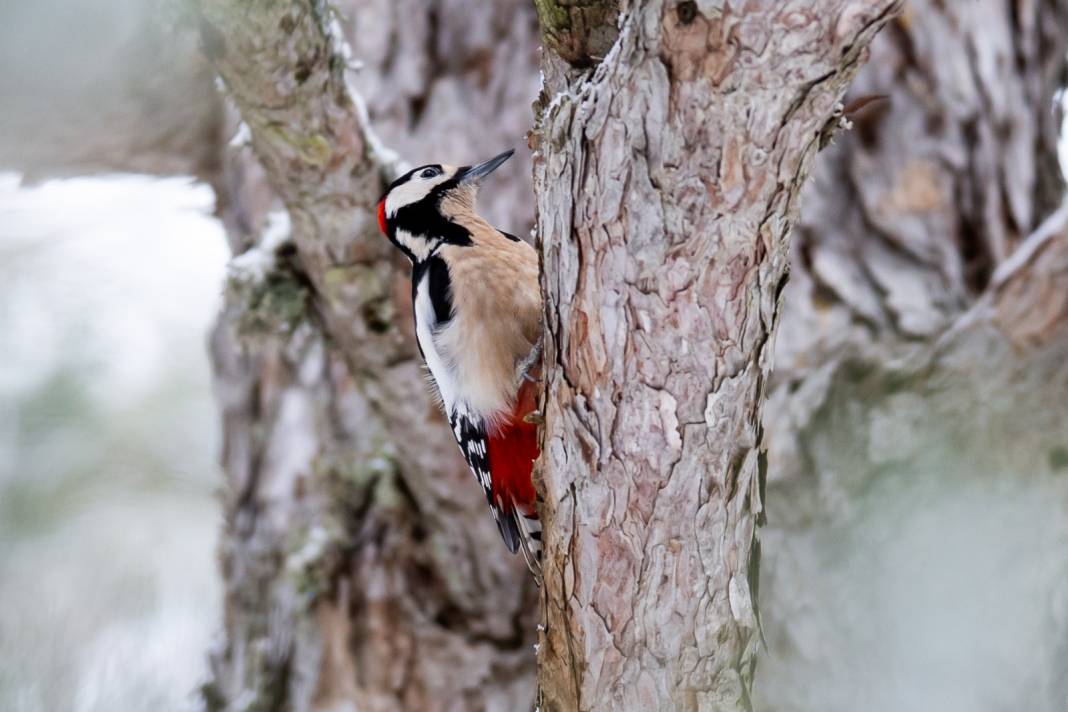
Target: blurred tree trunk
point(362, 569)
point(92, 86)
point(923, 342)
point(668, 180)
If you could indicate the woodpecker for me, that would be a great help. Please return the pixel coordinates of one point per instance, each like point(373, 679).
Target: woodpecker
point(477, 308)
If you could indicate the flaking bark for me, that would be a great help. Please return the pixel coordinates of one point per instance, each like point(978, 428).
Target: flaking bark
point(667, 183)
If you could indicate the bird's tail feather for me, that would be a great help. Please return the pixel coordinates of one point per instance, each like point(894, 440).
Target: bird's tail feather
point(530, 541)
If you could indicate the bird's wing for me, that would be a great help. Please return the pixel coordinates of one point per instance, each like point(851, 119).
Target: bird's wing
point(470, 433)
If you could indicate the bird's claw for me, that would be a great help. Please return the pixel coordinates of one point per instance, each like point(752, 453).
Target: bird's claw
point(534, 417)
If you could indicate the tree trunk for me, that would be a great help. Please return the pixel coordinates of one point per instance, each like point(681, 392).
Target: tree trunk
point(923, 338)
point(667, 181)
point(921, 373)
point(363, 571)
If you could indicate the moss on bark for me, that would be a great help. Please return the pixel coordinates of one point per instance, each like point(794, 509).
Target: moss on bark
point(580, 31)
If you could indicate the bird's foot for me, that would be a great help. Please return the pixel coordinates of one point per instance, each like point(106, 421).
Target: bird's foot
point(534, 417)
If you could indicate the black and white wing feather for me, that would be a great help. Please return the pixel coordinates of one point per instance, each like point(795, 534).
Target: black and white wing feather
point(470, 433)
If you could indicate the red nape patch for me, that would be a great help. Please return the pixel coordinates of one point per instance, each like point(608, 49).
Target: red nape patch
point(513, 448)
point(382, 216)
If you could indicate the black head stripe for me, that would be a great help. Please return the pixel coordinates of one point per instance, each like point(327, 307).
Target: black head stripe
point(408, 176)
point(424, 218)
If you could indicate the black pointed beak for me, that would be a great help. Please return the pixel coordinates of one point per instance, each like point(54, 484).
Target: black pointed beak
point(473, 174)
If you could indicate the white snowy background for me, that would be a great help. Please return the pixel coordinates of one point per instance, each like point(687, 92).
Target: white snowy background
point(108, 439)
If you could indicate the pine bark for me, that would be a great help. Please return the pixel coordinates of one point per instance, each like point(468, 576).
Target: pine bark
point(668, 180)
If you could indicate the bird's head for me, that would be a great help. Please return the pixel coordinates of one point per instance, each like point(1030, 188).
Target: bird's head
point(426, 206)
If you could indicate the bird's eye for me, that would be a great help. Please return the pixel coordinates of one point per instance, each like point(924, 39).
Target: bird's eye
point(429, 172)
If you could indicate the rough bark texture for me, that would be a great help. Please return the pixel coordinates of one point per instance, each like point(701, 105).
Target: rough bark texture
point(923, 352)
point(668, 181)
point(363, 571)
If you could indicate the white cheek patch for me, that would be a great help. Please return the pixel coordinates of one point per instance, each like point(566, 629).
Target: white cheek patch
point(411, 192)
point(420, 247)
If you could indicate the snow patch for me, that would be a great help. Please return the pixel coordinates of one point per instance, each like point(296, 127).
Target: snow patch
point(253, 265)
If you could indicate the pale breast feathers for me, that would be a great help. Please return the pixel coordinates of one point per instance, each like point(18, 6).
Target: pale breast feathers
point(496, 318)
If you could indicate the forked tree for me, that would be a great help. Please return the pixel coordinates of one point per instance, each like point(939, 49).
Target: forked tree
point(361, 569)
point(671, 141)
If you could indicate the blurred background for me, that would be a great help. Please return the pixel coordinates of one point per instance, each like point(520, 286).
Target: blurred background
point(916, 556)
point(108, 442)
